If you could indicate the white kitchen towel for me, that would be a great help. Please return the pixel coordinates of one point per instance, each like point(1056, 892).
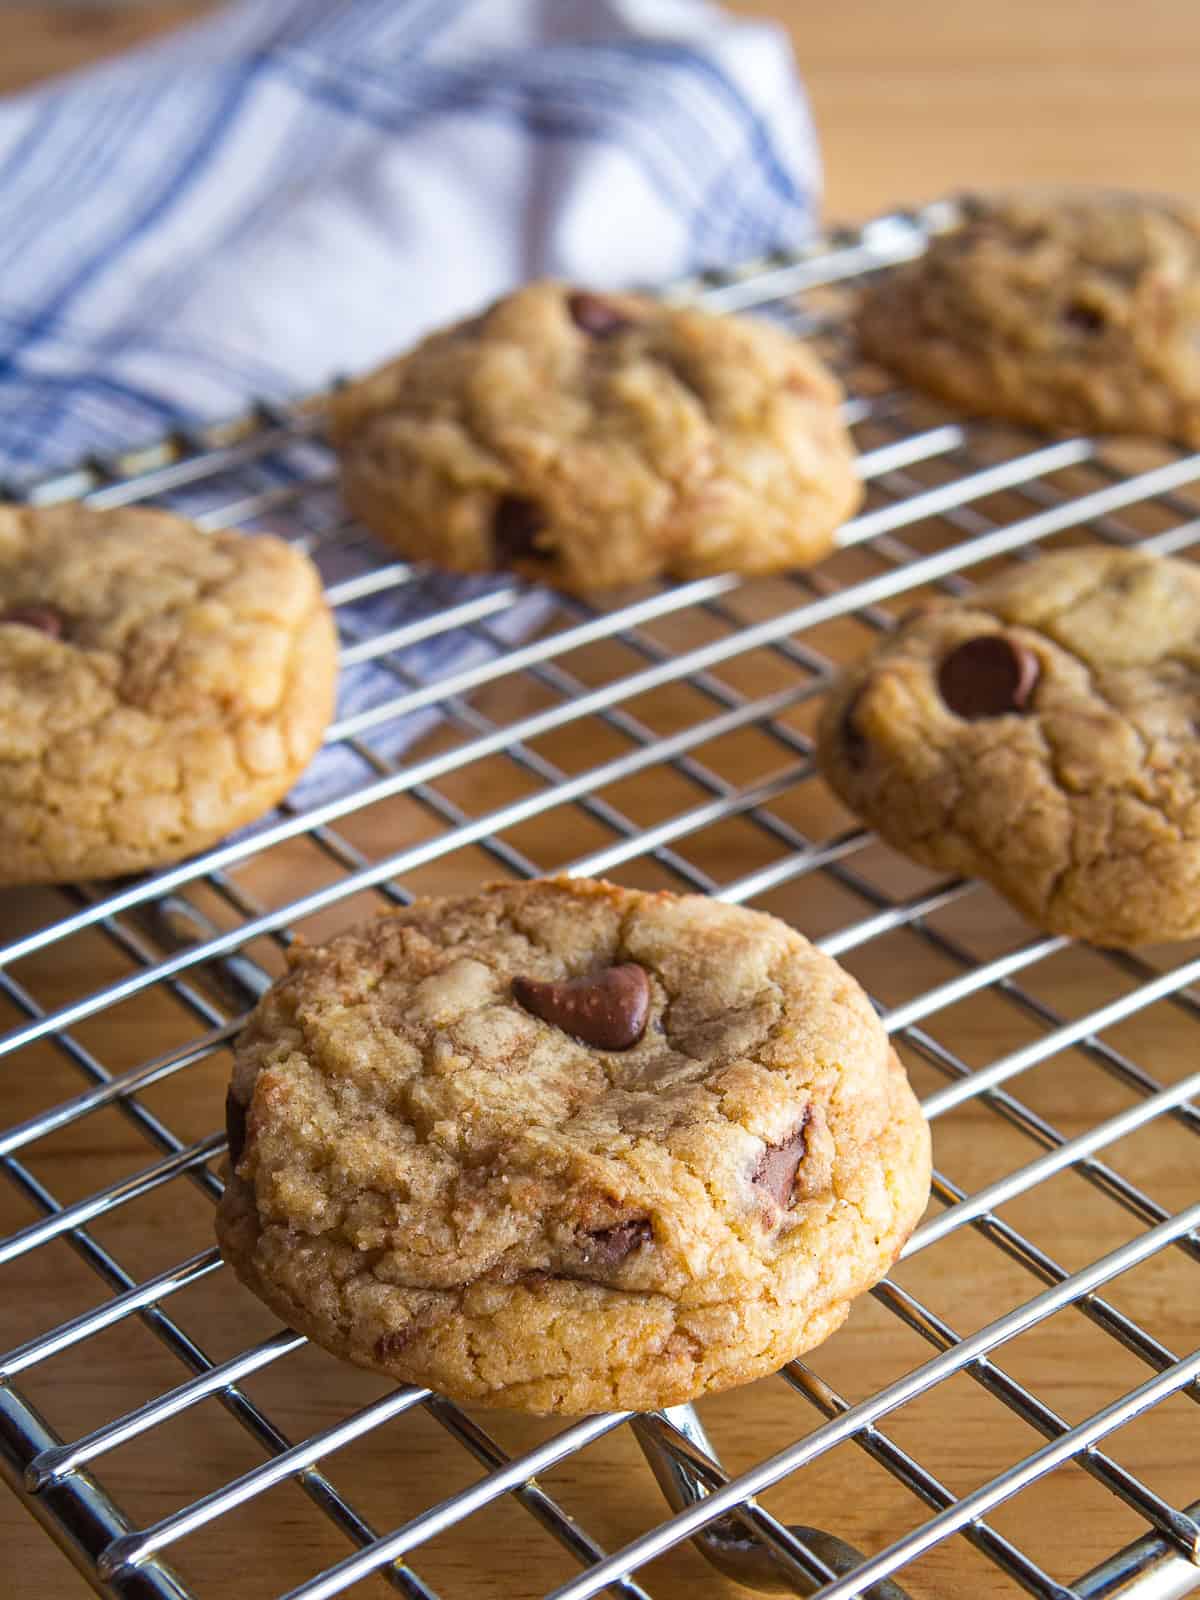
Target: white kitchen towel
point(294, 189)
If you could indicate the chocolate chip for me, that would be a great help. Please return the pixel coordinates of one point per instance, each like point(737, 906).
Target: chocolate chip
point(775, 1173)
point(989, 676)
point(390, 1345)
point(516, 524)
point(235, 1127)
point(44, 618)
point(606, 1009)
point(595, 315)
point(1083, 318)
point(610, 1246)
point(854, 740)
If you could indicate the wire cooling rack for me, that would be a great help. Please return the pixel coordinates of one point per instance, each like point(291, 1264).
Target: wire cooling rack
point(1012, 1408)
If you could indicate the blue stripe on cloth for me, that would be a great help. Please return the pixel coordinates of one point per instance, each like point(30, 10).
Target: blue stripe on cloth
point(578, 96)
point(450, 90)
point(179, 180)
point(384, 27)
point(761, 139)
point(34, 136)
point(28, 414)
point(46, 212)
point(159, 299)
point(258, 376)
point(80, 350)
point(682, 129)
point(37, 180)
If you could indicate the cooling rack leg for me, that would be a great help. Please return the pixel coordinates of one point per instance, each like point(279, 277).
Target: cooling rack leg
point(75, 1512)
point(729, 1547)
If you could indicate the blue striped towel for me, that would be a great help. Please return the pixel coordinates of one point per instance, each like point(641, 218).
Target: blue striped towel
point(295, 189)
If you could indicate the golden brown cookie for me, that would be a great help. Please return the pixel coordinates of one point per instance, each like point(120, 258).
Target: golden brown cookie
point(159, 686)
point(565, 1147)
point(1073, 310)
point(1042, 733)
point(589, 440)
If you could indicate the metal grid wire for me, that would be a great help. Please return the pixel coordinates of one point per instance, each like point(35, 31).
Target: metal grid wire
point(1059, 1080)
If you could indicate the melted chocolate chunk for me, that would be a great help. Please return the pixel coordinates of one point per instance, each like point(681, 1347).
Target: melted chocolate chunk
point(775, 1173)
point(1083, 318)
point(989, 676)
point(235, 1127)
point(44, 618)
point(595, 315)
point(516, 524)
point(606, 1009)
point(390, 1345)
point(610, 1246)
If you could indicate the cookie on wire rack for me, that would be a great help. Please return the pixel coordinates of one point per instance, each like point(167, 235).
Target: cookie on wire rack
point(588, 441)
point(1041, 733)
point(159, 686)
point(1074, 310)
point(567, 1147)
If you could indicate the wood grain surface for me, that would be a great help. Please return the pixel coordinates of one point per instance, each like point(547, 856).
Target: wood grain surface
point(38, 42)
point(911, 100)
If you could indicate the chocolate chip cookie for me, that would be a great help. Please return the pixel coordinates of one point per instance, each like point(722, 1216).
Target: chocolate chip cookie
point(1042, 734)
point(1071, 310)
point(564, 1147)
point(590, 440)
point(159, 686)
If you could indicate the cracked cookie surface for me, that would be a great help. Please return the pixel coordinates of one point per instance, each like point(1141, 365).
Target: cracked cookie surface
point(159, 686)
point(1042, 734)
point(433, 1180)
point(588, 441)
point(1070, 310)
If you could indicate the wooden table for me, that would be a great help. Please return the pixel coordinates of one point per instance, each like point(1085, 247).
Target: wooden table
point(911, 100)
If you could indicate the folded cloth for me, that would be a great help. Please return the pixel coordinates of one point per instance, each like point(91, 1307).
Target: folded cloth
point(295, 189)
